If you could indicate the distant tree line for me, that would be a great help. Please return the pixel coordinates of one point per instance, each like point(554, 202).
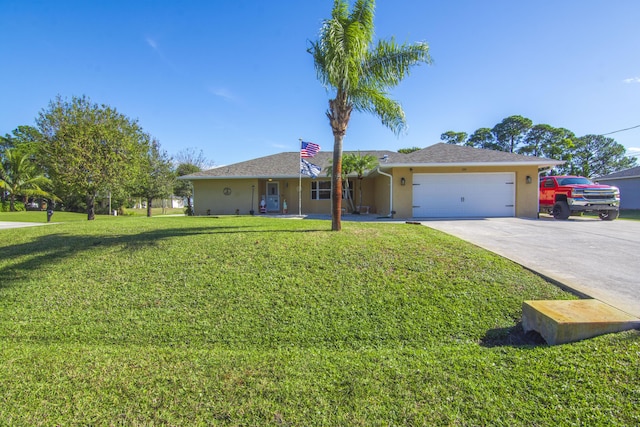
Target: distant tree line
point(81, 152)
point(589, 155)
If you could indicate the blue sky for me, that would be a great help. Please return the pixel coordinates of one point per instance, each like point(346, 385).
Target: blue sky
point(233, 78)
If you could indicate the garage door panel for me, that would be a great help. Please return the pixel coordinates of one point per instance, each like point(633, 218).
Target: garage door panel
point(464, 195)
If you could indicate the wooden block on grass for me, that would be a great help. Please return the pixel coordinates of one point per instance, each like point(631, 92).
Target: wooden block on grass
point(561, 322)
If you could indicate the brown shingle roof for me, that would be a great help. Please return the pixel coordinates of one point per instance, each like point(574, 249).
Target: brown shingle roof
point(286, 165)
point(443, 153)
point(282, 165)
point(627, 173)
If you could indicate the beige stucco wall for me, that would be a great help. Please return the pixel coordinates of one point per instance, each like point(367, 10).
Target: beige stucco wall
point(382, 200)
point(209, 197)
point(209, 194)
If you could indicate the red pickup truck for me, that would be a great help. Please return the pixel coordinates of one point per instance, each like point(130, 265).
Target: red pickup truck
point(562, 196)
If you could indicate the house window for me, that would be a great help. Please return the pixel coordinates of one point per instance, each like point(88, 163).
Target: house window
point(320, 190)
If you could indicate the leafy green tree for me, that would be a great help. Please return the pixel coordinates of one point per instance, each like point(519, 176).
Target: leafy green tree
point(547, 141)
point(539, 138)
point(451, 137)
point(561, 148)
point(409, 150)
point(359, 74)
point(597, 155)
point(156, 177)
point(20, 178)
point(189, 160)
point(360, 165)
point(482, 138)
point(26, 138)
point(183, 188)
point(90, 148)
point(510, 132)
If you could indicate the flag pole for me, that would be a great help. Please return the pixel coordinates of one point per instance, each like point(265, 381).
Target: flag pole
point(300, 178)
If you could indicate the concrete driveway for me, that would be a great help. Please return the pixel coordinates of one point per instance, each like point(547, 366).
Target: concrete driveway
point(600, 259)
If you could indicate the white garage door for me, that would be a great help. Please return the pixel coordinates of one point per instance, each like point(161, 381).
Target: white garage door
point(463, 195)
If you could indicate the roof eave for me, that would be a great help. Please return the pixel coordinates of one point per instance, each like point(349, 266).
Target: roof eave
point(198, 178)
point(467, 164)
point(615, 178)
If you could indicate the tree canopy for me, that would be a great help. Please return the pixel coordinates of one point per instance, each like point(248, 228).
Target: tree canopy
point(90, 148)
point(597, 155)
point(510, 132)
point(589, 155)
point(156, 177)
point(451, 137)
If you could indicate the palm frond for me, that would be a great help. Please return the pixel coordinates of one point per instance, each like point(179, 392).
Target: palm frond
point(377, 102)
point(389, 62)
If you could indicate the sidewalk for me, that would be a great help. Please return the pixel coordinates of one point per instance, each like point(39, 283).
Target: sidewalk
point(9, 224)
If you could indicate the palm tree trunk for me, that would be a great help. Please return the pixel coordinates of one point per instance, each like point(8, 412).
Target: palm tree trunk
point(338, 114)
point(336, 183)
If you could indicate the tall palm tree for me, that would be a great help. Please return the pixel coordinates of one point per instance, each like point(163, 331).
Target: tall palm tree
point(359, 73)
point(19, 176)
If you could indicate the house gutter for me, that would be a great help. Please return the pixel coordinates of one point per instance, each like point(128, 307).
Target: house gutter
point(390, 192)
point(549, 164)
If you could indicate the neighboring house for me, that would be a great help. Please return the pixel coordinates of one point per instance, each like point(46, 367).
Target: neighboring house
point(628, 181)
point(440, 181)
point(171, 202)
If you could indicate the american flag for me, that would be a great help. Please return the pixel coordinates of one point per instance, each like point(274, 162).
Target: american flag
point(309, 149)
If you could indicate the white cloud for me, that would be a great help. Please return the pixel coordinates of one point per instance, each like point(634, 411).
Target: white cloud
point(632, 80)
point(223, 93)
point(151, 42)
point(633, 151)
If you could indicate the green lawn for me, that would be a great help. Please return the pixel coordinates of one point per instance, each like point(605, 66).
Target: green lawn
point(259, 321)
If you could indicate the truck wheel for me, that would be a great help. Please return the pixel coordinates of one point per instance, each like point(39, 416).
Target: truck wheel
point(608, 215)
point(561, 210)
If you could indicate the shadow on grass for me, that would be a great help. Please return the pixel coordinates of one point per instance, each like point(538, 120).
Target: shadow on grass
point(513, 336)
point(54, 248)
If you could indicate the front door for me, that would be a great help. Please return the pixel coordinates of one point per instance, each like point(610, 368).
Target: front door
point(273, 197)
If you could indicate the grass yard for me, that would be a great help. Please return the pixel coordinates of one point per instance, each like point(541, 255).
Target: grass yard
point(260, 321)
